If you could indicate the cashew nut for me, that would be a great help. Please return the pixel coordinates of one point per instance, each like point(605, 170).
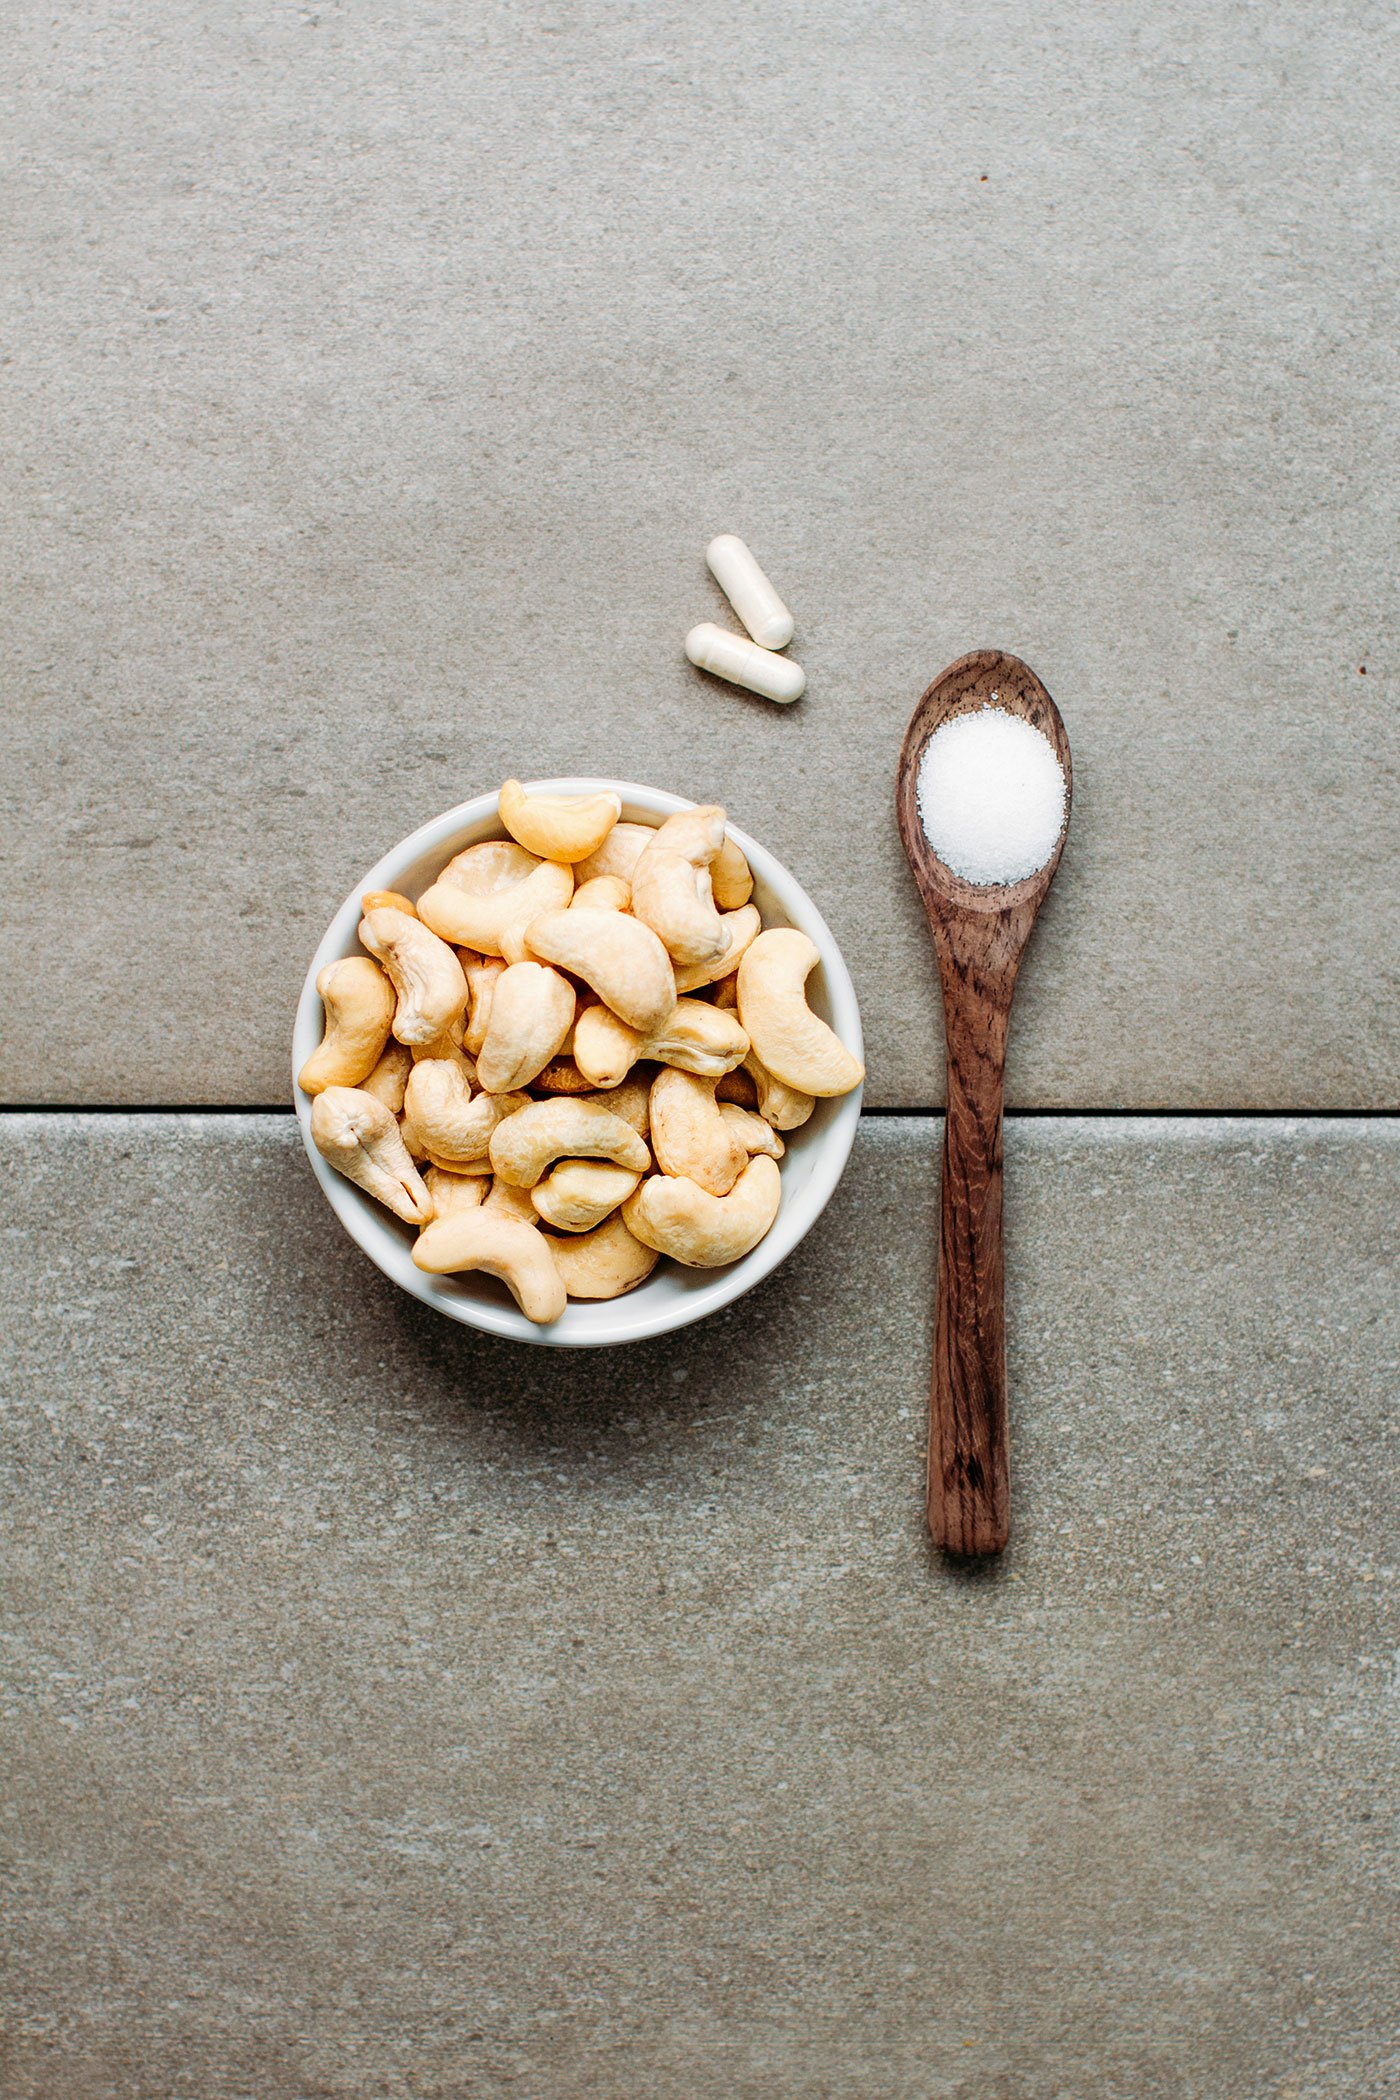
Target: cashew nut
point(360, 1138)
point(558, 827)
point(423, 970)
point(743, 927)
point(579, 1193)
point(478, 1169)
point(511, 1202)
point(486, 896)
point(453, 1125)
point(752, 1132)
point(602, 893)
point(443, 1050)
point(618, 853)
point(525, 1144)
point(517, 1253)
point(390, 1076)
point(679, 1218)
point(622, 960)
point(672, 890)
point(415, 1143)
point(696, 1036)
point(359, 1003)
point(454, 1192)
point(793, 1043)
point(631, 1100)
point(605, 1263)
point(689, 1134)
point(395, 900)
point(785, 1107)
point(676, 901)
point(482, 972)
point(737, 1086)
point(696, 834)
point(532, 1011)
point(732, 877)
point(562, 1076)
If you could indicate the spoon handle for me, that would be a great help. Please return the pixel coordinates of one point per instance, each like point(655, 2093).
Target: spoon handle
point(969, 1483)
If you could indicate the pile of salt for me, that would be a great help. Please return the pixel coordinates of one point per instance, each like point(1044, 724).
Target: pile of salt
point(991, 796)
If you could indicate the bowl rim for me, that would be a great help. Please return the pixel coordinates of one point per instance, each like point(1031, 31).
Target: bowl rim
point(831, 1146)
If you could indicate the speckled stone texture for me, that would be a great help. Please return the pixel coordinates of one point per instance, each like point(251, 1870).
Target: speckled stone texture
point(375, 377)
point(398, 1714)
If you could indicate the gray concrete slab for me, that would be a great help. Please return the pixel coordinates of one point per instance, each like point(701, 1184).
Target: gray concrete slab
point(392, 1712)
point(375, 380)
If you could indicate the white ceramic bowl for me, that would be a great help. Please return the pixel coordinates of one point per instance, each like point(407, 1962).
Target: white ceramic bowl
point(671, 1296)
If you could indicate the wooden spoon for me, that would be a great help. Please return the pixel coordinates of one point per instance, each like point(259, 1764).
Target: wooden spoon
point(980, 934)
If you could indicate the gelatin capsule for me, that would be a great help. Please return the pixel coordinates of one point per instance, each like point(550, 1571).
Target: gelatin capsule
point(748, 590)
point(742, 662)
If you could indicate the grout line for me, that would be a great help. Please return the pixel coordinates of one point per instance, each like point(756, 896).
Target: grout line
point(1013, 1115)
point(1178, 1115)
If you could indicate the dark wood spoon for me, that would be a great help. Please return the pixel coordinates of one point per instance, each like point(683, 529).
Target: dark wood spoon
point(980, 934)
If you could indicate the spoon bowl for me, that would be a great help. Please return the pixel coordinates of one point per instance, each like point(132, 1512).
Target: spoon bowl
point(979, 933)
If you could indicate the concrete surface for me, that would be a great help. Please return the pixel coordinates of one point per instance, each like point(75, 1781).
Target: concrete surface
point(375, 378)
point(390, 1712)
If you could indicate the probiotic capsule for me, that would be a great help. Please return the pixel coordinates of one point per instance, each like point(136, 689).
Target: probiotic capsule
point(749, 592)
point(742, 662)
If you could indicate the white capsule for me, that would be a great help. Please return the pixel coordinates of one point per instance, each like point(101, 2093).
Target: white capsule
point(749, 592)
point(742, 662)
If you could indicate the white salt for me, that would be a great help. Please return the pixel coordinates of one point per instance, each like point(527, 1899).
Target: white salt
point(991, 796)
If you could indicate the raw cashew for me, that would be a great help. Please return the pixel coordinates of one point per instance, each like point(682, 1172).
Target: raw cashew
point(785, 1107)
point(499, 1246)
point(676, 901)
point(752, 1132)
point(525, 1144)
point(532, 1011)
point(390, 1076)
point(558, 827)
point(579, 1193)
point(453, 1124)
point(486, 896)
point(359, 1003)
point(696, 834)
point(425, 973)
point(360, 1138)
point(622, 960)
point(481, 974)
point(689, 1134)
point(737, 1086)
point(702, 1231)
point(443, 1051)
point(510, 1202)
point(618, 853)
point(732, 877)
point(743, 927)
point(415, 1143)
point(454, 1192)
point(602, 893)
point(631, 1100)
point(394, 899)
point(672, 891)
point(562, 1076)
point(605, 1263)
point(796, 1046)
point(696, 1036)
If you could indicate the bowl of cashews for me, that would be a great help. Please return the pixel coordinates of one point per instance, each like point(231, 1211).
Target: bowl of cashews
point(578, 1063)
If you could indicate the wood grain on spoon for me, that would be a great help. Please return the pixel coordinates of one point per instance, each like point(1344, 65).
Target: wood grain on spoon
point(979, 933)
